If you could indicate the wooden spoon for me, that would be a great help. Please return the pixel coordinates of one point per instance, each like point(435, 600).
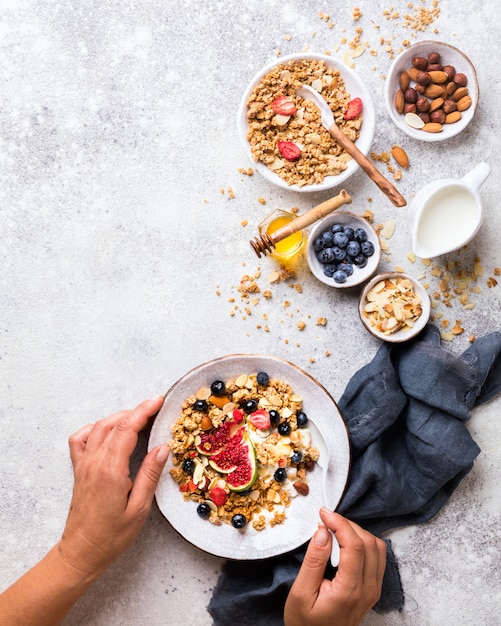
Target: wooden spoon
point(308, 93)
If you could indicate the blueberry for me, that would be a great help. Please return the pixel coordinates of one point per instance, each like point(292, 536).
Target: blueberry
point(329, 269)
point(360, 260)
point(238, 520)
point(318, 244)
point(262, 379)
point(218, 388)
point(341, 240)
point(337, 228)
point(301, 419)
point(201, 405)
point(367, 248)
point(327, 238)
point(280, 475)
point(347, 268)
point(326, 255)
point(250, 406)
point(339, 253)
point(188, 466)
point(296, 457)
point(350, 233)
point(284, 428)
point(360, 235)
point(274, 416)
point(339, 276)
point(203, 510)
point(353, 248)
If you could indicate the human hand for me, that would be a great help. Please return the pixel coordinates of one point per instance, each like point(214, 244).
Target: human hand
point(107, 509)
point(345, 600)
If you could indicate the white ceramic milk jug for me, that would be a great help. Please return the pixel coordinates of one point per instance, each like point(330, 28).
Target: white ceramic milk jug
point(446, 214)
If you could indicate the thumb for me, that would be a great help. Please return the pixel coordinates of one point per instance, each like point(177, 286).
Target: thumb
point(312, 570)
point(147, 477)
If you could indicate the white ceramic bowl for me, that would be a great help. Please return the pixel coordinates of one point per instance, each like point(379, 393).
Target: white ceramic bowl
point(347, 219)
point(449, 56)
point(403, 334)
point(354, 86)
point(302, 515)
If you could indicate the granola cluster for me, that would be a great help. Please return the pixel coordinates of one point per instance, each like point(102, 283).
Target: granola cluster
point(318, 154)
point(270, 421)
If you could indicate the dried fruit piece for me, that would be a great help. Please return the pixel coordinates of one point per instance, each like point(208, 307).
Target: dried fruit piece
point(284, 105)
point(353, 109)
point(400, 156)
point(289, 150)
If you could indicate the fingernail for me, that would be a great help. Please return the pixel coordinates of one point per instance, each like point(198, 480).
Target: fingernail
point(162, 454)
point(321, 537)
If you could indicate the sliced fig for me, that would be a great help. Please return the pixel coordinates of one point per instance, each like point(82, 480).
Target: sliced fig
point(214, 441)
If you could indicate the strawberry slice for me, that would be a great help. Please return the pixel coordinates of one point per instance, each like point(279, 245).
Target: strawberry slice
point(283, 105)
point(353, 109)
point(289, 150)
point(260, 419)
point(218, 496)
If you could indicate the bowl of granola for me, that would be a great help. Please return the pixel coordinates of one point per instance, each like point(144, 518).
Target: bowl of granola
point(242, 480)
point(394, 307)
point(282, 133)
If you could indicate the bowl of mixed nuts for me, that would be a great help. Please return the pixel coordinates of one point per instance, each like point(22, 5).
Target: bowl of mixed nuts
point(282, 133)
point(343, 250)
point(431, 91)
point(394, 307)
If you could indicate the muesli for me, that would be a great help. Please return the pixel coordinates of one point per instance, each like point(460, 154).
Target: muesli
point(286, 133)
point(242, 450)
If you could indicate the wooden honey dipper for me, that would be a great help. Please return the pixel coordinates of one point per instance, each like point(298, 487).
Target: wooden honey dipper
point(265, 242)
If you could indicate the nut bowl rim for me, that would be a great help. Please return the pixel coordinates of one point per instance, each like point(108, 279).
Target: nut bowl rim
point(400, 336)
point(403, 61)
point(360, 275)
point(356, 88)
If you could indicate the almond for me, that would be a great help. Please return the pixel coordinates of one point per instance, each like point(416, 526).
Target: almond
point(464, 103)
point(399, 101)
point(404, 80)
point(438, 77)
point(400, 156)
point(434, 91)
point(301, 487)
point(455, 116)
point(435, 104)
point(413, 73)
point(459, 93)
point(432, 127)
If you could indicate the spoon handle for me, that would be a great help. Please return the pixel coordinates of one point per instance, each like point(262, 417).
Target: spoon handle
point(335, 550)
point(383, 183)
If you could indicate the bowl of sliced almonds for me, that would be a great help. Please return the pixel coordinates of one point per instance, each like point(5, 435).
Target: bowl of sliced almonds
point(431, 91)
point(394, 307)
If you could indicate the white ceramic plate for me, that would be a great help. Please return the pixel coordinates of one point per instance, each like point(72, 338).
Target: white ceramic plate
point(354, 86)
point(450, 56)
point(302, 514)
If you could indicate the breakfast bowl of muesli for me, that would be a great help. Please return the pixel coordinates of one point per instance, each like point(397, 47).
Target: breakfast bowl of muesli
point(244, 477)
point(282, 132)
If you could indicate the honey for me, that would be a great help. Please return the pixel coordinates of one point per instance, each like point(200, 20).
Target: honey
point(291, 245)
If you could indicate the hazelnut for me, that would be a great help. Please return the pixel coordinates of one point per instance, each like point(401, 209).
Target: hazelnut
point(434, 57)
point(420, 63)
point(409, 108)
point(422, 104)
point(449, 106)
point(461, 80)
point(423, 78)
point(425, 116)
point(410, 95)
point(437, 116)
point(450, 70)
point(434, 67)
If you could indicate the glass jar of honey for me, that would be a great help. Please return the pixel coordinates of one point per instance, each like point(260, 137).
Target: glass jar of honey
point(290, 246)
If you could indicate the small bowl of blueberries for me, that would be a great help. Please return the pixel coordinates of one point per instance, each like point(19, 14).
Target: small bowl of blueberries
point(343, 250)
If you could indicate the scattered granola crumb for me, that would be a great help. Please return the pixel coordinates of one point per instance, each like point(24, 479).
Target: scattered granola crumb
point(321, 321)
point(244, 222)
point(261, 200)
point(301, 325)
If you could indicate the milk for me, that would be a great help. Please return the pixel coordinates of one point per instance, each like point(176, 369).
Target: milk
point(448, 219)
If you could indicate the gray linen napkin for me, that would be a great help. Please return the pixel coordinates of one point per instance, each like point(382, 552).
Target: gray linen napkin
point(406, 413)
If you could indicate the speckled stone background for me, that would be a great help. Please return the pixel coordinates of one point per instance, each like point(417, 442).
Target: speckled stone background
point(122, 247)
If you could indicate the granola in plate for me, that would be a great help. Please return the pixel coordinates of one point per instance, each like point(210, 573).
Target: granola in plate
point(242, 450)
